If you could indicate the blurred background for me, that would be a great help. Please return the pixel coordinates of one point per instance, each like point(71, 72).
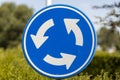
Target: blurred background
point(105, 16)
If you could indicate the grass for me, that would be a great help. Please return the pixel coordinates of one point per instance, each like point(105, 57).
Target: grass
point(13, 66)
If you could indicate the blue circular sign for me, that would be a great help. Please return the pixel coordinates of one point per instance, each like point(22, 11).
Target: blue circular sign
point(59, 41)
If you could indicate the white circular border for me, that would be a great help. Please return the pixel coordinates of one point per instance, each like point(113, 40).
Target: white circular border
point(52, 75)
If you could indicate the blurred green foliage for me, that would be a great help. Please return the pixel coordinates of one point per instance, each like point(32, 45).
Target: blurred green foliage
point(104, 61)
point(12, 21)
point(13, 66)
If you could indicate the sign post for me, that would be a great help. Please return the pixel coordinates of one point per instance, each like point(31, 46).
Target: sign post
point(48, 2)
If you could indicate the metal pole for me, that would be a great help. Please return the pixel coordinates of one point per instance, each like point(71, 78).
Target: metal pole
point(48, 2)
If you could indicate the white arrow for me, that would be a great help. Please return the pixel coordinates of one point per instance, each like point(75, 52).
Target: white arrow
point(39, 38)
point(67, 59)
point(71, 25)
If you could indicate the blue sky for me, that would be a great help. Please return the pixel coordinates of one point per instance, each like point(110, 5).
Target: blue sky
point(83, 5)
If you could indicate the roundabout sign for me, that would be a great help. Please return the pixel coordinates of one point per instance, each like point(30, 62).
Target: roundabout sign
point(59, 41)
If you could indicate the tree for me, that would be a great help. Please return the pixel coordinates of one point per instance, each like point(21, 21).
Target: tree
point(12, 21)
point(110, 37)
